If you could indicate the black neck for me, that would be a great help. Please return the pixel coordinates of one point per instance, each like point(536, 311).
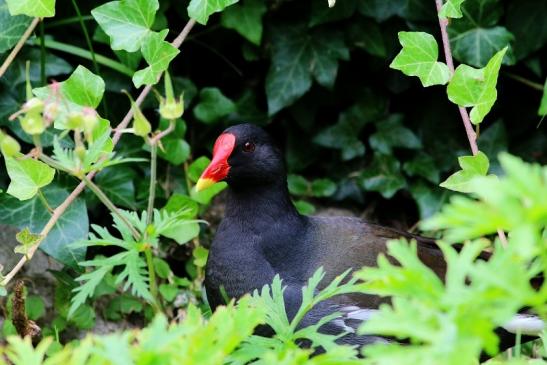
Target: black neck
point(260, 205)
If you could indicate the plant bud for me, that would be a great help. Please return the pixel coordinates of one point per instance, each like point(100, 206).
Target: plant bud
point(51, 111)
point(141, 125)
point(9, 146)
point(75, 120)
point(172, 109)
point(90, 121)
point(32, 123)
point(33, 105)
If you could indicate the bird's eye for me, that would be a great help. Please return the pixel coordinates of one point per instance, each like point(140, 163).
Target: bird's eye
point(248, 147)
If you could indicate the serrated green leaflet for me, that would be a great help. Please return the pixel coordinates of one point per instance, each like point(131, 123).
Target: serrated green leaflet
point(451, 9)
point(476, 88)
point(158, 54)
point(472, 166)
point(419, 58)
point(246, 19)
point(33, 8)
point(127, 22)
point(11, 27)
point(27, 176)
point(201, 10)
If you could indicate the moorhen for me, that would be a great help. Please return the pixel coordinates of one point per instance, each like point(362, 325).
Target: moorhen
point(262, 234)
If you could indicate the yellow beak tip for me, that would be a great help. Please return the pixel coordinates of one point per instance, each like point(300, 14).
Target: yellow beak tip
point(204, 183)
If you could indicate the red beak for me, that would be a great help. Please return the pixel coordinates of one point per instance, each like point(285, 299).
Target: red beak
point(218, 168)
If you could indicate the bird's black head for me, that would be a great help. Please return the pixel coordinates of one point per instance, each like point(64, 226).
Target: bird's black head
point(244, 155)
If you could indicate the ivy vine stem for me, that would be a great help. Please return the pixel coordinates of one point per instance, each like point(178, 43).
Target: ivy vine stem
point(443, 23)
point(471, 135)
point(81, 186)
point(18, 46)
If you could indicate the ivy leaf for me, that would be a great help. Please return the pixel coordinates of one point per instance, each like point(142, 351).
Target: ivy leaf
point(26, 240)
point(383, 176)
point(526, 20)
point(381, 9)
point(297, 56)
point(213, 105)
point(11, 27)
point(246, 19)
point(158, 54)
point(419, 58)
point(197, 167)
point(82, 89)
point(117, 183)
point(472, 166)
point(127, 22)
point(27, 177)
point(422, 165)
point(451, 9)
point(321, 14)
point(72, 226)
point(366, 34)
point(391, 133)
point(201, 10)
point(323, 187)
point(475, 37)
point(471, 87)
point(298, 185)
point(32, 8)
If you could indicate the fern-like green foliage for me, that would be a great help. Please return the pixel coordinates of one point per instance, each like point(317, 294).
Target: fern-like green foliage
point(133, 275)
point(452, 322)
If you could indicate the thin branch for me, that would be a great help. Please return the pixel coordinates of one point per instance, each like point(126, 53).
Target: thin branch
point(534, 85)
point(18, 46)
point(78, 190)
point(471, 136)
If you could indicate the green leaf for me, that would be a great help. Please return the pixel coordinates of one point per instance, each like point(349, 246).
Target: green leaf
point(175, 150)
point(246, 19)
point(471, 87)
point(475, 38)
point(72, 225)
point(323, 187)
point(422, 165)
point(430, 199)
point(543, 104)
point(321, 14)
point(33, 8)
point(366, 34)
point(213, 105)
point(526, 20)
point(183, 231)
point(161, 267)
point(200, 254)
point(26, 240)
point(201, 10)
point(419, 58)
point(383, 176)
point(183, 205)
point(82, 89)
point(35, 307)
point(27, 177)
point(11, 27)
point(472, 166)
point(197, 167)
point(451, 9)
point(298, 185)
point(169, 291)
point(381, 9)
point(117, 183)
point(303, 207)
point(392, 134)
point(205, 196)
point(127, 22)
point(297, 56)
point(158, 54)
